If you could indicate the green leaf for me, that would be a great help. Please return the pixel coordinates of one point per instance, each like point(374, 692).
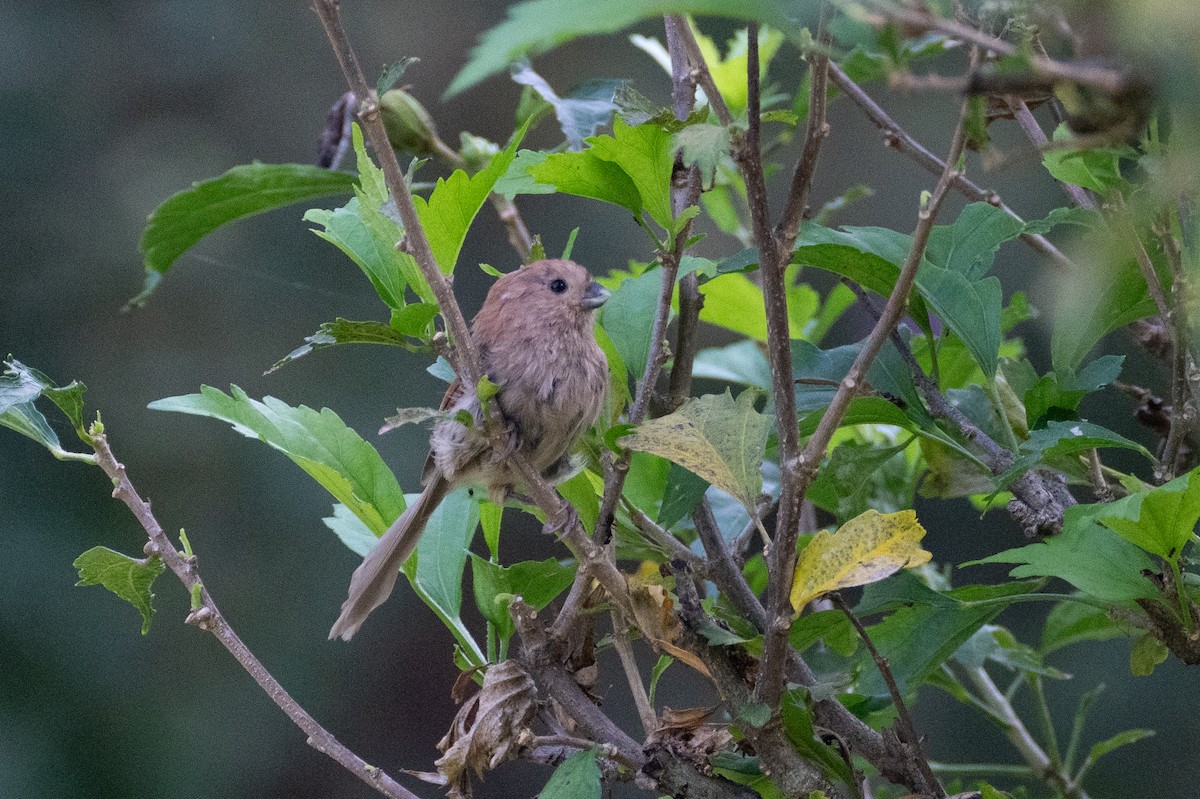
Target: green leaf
point(1098, 169)
point(797, 723)
point(243, 191)
point(729, 71)
point(969, 245)
point(645, 154)
point(359, 539)
point(345, 331)
point(704, 146)
point(733, 301)
point(20, 385)
point(998, 645)
point(582, 111)
point(657, 672)
point(756, 714)
point(535, 27)
point(415, 320)
point(582, 174)
point(628, 318)
point(1147, 653)
point(971, 308)
point(716, 438)
point(437, 567)
point(451, 208)
point(1072, 622)
point(742, 362)
point(1061, 439)
point(1116, 742)
point(392, 73)
point(683, 493)
point(1058, 392)
point(318, 442)
point(29, 422)
point(577, 777)
point(916, 639)
point(1104, 292)
point(1160, 521)
point(951, 277)
point(128, 578)
point(369, 243)
point(858, 477)
point(538, 582)
point(1092, 558)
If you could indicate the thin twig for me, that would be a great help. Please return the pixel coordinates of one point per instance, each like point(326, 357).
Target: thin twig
point(792, 774)
point(1016, 732)
point(1180, 390)
point(1089, 74)
point(1033, 131)
point(506, 209)
point(906, 727)
point(682, 196)
point(641, 700)
point(691, 301)
point(207, 616)
point(899, 139)
point(816, 129)
point(1042, 503)
point(772, 271)
point(661, 537)
point(1183, 366)
point(723, 570)
point(672, 775)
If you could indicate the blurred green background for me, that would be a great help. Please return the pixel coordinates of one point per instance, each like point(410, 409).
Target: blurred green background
point(108, 108)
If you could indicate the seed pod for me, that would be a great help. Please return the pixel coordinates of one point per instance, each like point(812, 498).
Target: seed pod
point(409, 126)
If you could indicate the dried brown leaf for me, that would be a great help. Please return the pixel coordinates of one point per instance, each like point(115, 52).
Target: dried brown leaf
point(652, 610)
point(487, 729)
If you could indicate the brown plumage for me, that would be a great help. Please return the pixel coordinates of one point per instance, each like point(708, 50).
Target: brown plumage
point(535, 340)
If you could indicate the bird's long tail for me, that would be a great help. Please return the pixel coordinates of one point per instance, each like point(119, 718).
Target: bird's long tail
point(375, 577)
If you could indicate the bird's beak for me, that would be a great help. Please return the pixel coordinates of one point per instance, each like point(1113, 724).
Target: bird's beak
point(595, 295)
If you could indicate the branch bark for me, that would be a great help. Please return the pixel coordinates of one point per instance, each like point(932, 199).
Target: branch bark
point(207, 616)
point(899, 139)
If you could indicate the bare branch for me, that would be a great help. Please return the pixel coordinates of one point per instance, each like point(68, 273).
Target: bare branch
point(1089, 74)
point(672, 775)
point(896, 137)
point(624, 649)
point(793, 775)
point(907, 729)
point(772, 270)
point(1033, 131)
point(816, 129)
point(207, 616)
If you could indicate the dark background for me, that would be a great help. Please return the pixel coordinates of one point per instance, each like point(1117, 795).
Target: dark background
point(106, 109)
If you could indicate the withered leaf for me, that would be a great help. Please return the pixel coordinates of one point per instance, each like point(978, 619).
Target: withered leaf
point(487, 729)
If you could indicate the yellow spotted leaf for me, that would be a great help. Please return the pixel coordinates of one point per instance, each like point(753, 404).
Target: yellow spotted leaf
point(866, 549)
point(715, 437)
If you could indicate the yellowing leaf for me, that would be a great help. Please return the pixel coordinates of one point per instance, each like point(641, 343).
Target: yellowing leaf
point(866, 549)
point(714, 437)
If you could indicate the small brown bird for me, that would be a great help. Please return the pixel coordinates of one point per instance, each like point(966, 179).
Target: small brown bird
point(535, 339)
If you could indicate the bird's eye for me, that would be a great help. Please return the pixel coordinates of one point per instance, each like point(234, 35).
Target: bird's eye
point(558, 285)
